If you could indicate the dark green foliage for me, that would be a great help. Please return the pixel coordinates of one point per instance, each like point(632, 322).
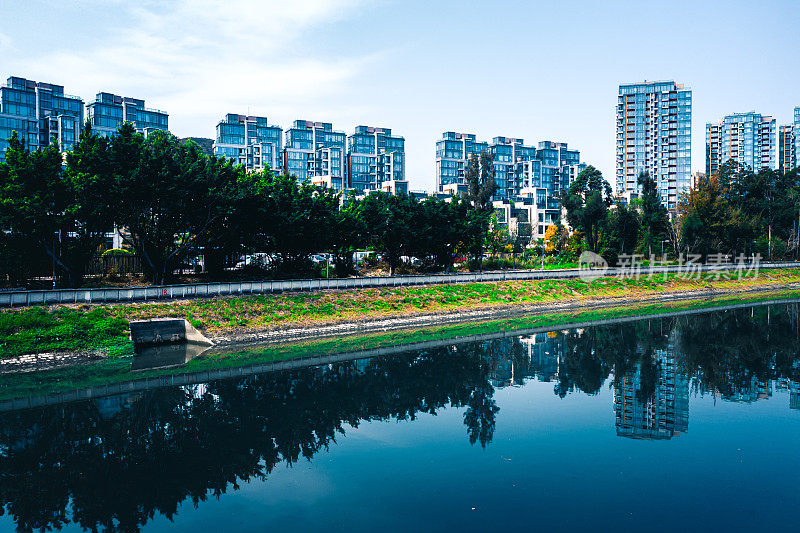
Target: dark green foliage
point(621, 232)
point(735, 209)
point(481, 186)
point(391, 225)
point(292, 221)
point(37, 330)
point(655, 220)
point(587, 201)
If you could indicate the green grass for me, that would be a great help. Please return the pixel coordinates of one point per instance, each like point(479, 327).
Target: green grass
point(57, 328)
point(116, 370)
point(40, 330)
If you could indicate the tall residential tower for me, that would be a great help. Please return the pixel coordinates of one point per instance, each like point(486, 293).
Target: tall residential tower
point(654, 135)
point(749, 139)
point(786, 155)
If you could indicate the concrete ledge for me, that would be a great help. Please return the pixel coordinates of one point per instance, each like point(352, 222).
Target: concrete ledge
point(165, 331)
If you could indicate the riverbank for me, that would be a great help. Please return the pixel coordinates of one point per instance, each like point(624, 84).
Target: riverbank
point(304, 315)
point(57, 380)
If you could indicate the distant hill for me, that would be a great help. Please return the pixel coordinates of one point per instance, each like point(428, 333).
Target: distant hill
point(206, 144)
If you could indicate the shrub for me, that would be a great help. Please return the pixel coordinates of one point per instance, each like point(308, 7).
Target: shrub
point(116, 251)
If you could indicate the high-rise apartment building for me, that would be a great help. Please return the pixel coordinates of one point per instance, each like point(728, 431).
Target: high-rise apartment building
point(250, 141)
point(520, 170)
point(506, 153)
point(664, 413)
point(796, 130)
point(749, 139)
point(108, 111)
point(40, 113)
point(374, 157)
point(786, 154)
point(453, 151)
point(315, 152)
point(654, 135)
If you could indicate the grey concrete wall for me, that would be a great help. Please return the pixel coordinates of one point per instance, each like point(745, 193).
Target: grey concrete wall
point(206, 290)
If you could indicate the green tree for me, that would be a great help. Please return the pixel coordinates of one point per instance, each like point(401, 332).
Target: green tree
point(655, 219)
point(621, 233)
point(36, 204)
point(171, 197)
point(89, 179)
point(710, 221)
point(347, 235)
point(391, 225)
point(293, 221)
point(587, 201)
point(481, 187)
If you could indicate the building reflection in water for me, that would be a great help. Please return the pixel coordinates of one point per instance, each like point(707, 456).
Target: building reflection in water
point(661, 414)
point(206, 438)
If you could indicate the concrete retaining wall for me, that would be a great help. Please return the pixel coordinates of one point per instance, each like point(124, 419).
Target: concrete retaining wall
point(208, 290)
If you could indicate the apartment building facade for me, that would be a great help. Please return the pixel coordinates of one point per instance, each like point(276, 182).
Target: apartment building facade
point(109, 111)
point(787, 159)
point(316, 153)
point(654, 133)
point(453, 151)
point(375, 160)
point(794, 156)
point(662, 415)
point(749, 139)
point(520, 170)
point(40, 113)
point(250, 141)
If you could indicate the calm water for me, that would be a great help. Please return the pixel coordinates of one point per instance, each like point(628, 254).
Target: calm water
point(662, 424)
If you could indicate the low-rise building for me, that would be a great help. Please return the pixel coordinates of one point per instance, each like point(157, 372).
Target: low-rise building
point(520, 170)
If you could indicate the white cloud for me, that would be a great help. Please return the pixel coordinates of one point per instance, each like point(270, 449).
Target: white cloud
point(201, 58)
point(5, 42)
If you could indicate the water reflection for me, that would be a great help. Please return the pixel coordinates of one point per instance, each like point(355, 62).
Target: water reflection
point(166, 355)
point(169, 445)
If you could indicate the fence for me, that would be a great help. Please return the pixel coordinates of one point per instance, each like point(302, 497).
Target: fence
point(207, 290)
point(122, 265)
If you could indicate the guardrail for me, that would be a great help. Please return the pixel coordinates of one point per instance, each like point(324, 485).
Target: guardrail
point(208, 290)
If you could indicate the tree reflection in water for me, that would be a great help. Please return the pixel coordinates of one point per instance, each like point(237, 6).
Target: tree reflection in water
point(115, 463)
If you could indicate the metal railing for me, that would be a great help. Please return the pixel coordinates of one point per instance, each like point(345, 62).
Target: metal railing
point(209, 290)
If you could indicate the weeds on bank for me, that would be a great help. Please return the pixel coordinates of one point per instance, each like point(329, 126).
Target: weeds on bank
point(73, 328)
point(41, 330)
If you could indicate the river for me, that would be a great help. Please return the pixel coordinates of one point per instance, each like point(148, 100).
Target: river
point(684, 422)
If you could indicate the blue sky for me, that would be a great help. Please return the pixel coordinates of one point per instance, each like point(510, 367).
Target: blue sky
point(536, 70)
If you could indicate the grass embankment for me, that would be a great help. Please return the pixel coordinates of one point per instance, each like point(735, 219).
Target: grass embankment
point(117, 370)
point(105, 326)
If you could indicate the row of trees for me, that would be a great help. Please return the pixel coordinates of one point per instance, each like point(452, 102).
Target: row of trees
point(605, 227)
point(734, 211)
point(175, 202)
point(741, 211)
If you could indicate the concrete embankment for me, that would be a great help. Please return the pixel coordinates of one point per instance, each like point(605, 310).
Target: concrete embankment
point(182, 378)
point(487, 313)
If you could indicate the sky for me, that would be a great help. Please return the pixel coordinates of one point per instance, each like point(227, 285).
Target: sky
point(532, 70)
